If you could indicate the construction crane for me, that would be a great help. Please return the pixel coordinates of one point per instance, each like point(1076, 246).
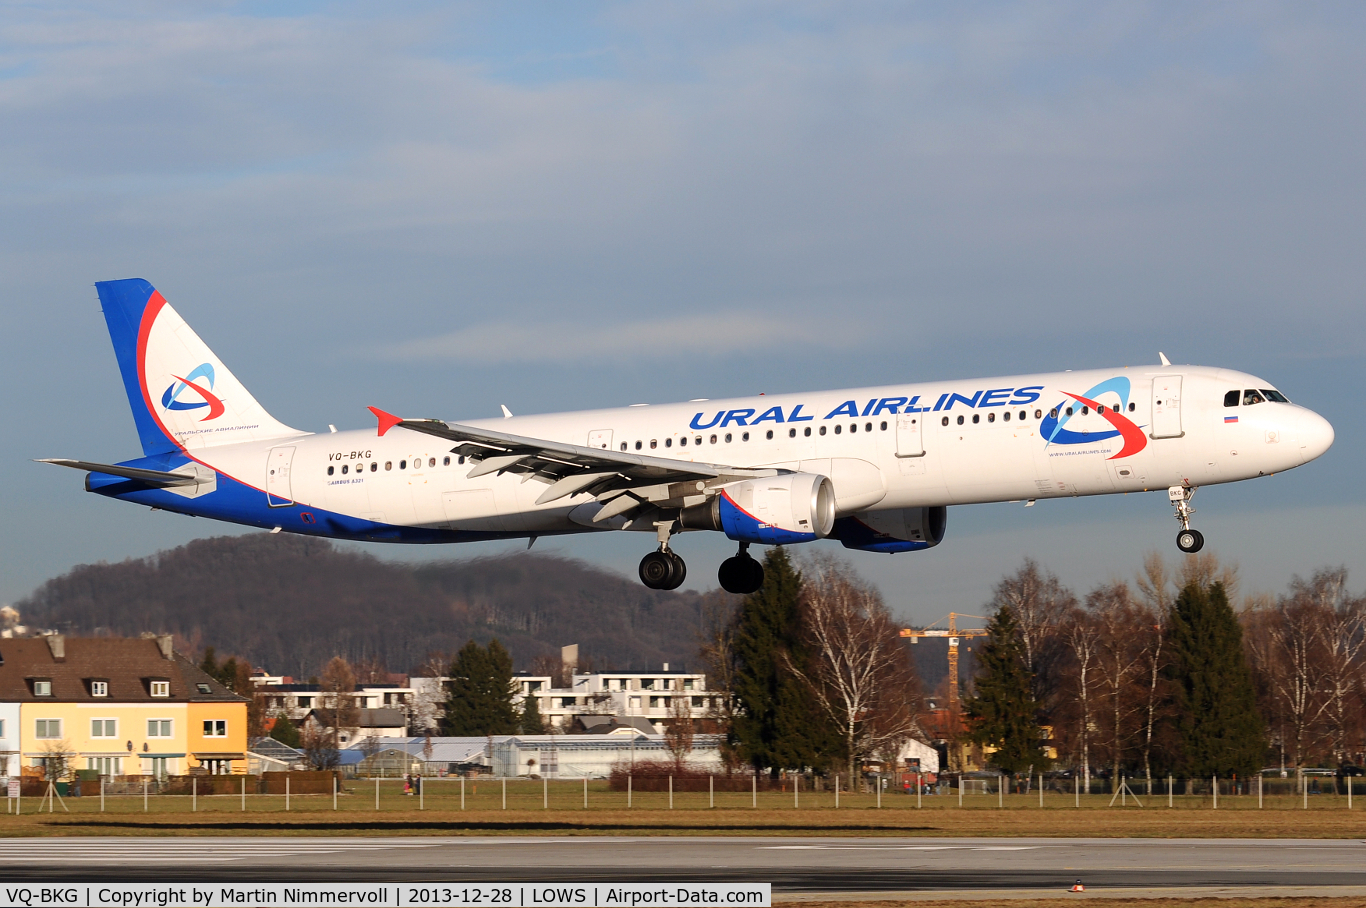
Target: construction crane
point(954, 633)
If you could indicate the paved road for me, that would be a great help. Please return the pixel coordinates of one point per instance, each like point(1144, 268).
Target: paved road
point(792, 865)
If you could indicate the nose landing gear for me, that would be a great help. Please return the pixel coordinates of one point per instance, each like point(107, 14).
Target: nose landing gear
point(741, 573)
point(663, 569)
point(1188, 540)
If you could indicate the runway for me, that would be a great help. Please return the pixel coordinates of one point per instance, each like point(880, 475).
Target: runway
point(795, 866)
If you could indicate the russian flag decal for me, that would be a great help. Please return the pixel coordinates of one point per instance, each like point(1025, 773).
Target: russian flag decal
point(1228, 419)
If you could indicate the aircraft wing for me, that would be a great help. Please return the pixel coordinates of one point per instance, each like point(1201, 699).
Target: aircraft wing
point(632, 479)
point(152, 477)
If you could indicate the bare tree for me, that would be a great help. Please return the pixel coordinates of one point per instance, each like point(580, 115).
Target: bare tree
point(717, 649)
point(1041, 604)
point(1344, 657)
point(859, 672)
point(1116, 618)
point(678, 732)
point(1083, 643)
point(338, 706)
point(1286, 646)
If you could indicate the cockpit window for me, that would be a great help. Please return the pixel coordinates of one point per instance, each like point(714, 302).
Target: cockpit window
point(1275, 396)
point(1252, 396)
point(1231, 398)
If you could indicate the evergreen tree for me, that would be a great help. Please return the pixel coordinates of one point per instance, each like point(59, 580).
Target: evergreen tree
point(776, 724)
point(286, 732)
point(209, 664)
point(1003, 713)
point(531, 722)
point(1221, 730)
point(480, 697)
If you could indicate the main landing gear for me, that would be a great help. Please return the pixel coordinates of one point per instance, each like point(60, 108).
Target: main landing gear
point(1188, 540)
point(740, 573)
point(663, 569)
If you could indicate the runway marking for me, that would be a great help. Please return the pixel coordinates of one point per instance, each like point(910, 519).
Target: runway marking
point(184, 851)
point(901, 847)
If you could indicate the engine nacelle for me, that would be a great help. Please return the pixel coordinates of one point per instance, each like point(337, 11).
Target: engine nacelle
point(901, 530)
point(775, 510)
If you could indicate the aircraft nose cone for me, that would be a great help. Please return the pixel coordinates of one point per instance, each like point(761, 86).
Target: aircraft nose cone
point(1315, 435)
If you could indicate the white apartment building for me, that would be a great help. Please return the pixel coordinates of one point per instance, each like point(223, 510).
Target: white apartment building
point(643, 694)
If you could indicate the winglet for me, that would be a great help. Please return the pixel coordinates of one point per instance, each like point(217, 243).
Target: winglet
point(1162, 356)
point(386, 420)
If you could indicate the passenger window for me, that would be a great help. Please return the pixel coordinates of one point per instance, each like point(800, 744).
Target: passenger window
point(807, 432)
point(431, 461)
point(388, 465)
point(868, 427)
point(446, 461)
point(1038, 414)
point(638, 446)
point(991, 417)
point(1231, 398)
point(884, 425)
point(1069, 411)
point(1250, 397)
point(698, 440)
point(791, 433)
point(1005, 417)
point(623, 446)
point(944, 421)
point(853, 427)
point(461, 460)
point(683, 442)
point(403, 464)
point(976, 418)
point(330, 470)
point(1132, 407)
point(1085, 411)
point(668, 442)
point(822, 430)
point(728, 437)
point(374, 467)
point(838, 429)
point(768, 436)
point(654, 444)
point(960, 420)
point(343, 469)
point(744, 436)
point(712, 439)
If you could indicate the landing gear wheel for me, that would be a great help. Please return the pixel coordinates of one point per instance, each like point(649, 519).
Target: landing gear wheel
point(680, 572)
point(656, 570)
point(1190, 541)
point(740, 574)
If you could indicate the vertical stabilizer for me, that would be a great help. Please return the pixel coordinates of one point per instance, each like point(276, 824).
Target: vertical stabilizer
point(182, 395)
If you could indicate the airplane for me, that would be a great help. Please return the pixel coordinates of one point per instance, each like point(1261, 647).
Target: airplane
point(874, 468)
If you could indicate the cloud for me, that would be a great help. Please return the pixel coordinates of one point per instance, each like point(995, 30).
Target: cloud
point(576, 343)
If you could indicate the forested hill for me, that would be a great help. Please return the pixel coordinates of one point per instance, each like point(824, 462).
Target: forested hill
point(289, 603)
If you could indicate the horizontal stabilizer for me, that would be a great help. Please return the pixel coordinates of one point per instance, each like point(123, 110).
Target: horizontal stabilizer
point(153, 477)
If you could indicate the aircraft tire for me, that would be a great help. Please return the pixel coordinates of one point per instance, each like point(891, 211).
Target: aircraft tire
point(656, 570)
point(740, 574)
point(678, 574)
point(1190, 541)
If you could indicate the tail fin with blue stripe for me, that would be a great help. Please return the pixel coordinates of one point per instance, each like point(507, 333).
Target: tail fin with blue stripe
point(182, 395)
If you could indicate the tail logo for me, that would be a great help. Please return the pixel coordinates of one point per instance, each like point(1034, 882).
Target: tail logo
point(170, 399)
point(1051, 428)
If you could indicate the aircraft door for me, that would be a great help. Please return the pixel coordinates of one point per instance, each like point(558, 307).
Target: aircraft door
point(278, 494)
point(1166, 407)
point(600, 438)
point(910, 440)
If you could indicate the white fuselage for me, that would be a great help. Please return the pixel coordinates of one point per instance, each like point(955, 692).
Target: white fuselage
point(881, 458)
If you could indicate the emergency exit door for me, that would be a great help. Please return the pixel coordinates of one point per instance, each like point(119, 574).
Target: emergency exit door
point(910, 440)
point(1166, 407)
point(278, 493)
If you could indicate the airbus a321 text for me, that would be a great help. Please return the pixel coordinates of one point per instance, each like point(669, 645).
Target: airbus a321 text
point(875, 468)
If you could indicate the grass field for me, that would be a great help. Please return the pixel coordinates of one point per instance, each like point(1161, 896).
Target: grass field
point(557, 808)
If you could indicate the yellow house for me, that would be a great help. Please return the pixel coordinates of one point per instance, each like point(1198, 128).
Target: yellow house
point(121, 707)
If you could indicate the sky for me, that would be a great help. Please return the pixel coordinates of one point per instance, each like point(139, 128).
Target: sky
point(441, 208)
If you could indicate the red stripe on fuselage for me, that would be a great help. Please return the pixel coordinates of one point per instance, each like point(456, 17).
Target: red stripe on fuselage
point(1134, 439)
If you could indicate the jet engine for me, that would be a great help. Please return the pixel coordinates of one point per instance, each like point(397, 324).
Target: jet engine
point(901, 530)
point(775, 510)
